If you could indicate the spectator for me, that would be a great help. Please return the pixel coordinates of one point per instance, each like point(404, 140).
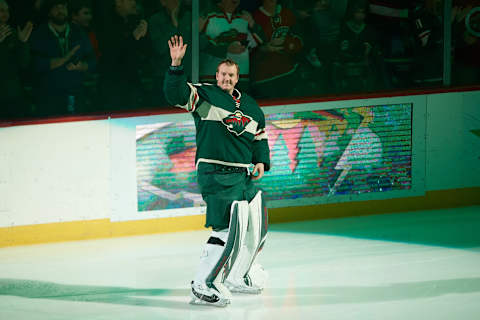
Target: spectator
point(326, 20)
point(390, 19)
point(82, 17)
point(466, 37)
point(318, 22)
point(121, 44)
point(38, 14)
point(357, 39)
point(274, 64)
point(358, 49)
point(174, 18)
point(426, 25)
point(62, 55)
point(232, 34)
point(14, 56)
point(321, 27)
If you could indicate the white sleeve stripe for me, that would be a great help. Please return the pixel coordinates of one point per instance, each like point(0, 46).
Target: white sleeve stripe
point(260, 131)
point(192, 101)
point(261, 136)
point(194, 104)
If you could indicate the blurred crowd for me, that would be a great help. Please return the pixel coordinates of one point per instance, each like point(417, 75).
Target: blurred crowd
point(60, 57)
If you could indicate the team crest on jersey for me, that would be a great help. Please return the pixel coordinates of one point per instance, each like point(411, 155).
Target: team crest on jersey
point(236, 122)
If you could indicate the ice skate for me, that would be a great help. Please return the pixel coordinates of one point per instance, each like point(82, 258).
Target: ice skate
point(253, 283)
point(203, 295)
point(246, 286)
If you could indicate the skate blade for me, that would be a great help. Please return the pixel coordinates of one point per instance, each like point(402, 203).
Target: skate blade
point(246, 290)
point(222, 303)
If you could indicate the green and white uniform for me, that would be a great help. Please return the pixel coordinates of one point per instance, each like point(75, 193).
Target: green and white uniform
point(230, 138)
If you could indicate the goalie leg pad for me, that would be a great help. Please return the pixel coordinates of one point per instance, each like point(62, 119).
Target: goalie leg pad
point(239, 279)
point(220, 253)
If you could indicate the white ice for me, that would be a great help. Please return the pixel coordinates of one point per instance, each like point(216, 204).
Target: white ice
point(415, 265)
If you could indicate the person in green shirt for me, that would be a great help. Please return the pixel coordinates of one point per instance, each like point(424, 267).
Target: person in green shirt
point(230, 139)
point(14, 57)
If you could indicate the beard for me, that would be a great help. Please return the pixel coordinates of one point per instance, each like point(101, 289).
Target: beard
point(59, 20)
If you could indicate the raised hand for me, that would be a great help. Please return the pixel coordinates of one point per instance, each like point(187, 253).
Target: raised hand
point(141, 30)
point(236, 47)
point(58, 62)
point(80, 66)
point(278, 41)
point(24, 34)
point(272, 48)
point(72, 52)
point(460, 13)
point(177, 49)
point(5, 31)
point(247, 16)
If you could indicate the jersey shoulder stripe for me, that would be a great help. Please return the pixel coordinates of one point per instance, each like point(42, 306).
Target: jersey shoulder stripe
point(193, 99)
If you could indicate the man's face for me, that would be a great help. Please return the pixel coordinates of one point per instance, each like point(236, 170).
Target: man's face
point(227, 77)
point(126, 7)
point(359, 15)
point(58, 14)
point(230, 5)
point(83, 17)
point(4, 13)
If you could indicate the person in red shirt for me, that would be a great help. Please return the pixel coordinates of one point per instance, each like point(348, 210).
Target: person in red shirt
point(275, 62)
point(82, 16)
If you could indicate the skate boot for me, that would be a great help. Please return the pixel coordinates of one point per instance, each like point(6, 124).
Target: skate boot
point(246, 286)
point(252, 283)
point(217, 296)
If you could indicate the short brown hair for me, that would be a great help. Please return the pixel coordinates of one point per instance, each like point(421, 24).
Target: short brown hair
point(229, 62)
point(49, 4)
point(77, 5)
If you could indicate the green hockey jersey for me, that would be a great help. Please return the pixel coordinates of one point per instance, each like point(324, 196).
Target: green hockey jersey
point(230, 128)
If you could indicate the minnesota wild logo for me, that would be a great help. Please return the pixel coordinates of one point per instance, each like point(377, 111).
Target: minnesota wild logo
point(236, 122)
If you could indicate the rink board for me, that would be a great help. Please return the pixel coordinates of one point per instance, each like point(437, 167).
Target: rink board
point(135, 175)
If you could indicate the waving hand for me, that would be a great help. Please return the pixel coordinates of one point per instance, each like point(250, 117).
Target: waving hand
point(177, 49)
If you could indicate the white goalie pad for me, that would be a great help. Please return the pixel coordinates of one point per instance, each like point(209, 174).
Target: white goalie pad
point(251, 244)
point(222, 250)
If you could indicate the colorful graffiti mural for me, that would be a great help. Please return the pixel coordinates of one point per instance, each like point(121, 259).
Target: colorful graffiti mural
point(314, 154)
